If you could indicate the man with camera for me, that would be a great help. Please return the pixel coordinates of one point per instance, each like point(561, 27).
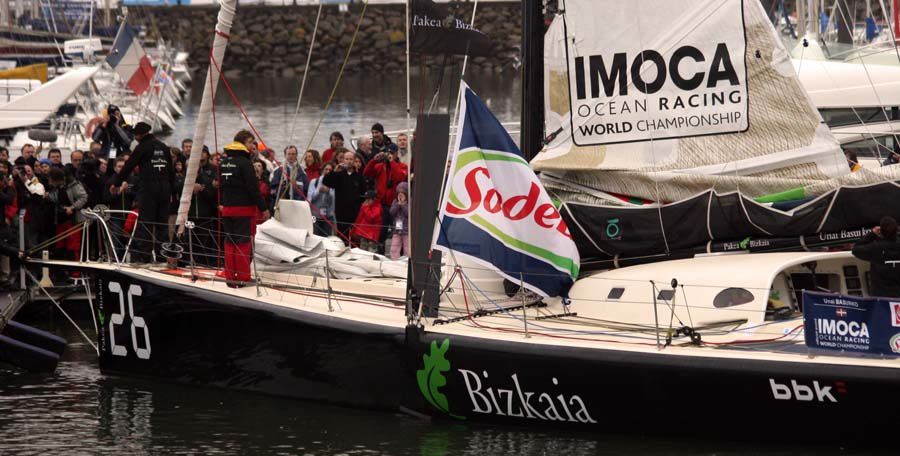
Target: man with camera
point(349, 187)
point(113, 131)
point(387, 171)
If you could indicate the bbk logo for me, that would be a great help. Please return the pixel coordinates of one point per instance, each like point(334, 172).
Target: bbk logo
point(805, 393)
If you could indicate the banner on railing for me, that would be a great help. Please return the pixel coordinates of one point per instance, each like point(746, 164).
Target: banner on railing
point(852, 323)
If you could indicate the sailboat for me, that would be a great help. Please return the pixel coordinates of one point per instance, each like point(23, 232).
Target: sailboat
point(499, 320)
point(725, 341)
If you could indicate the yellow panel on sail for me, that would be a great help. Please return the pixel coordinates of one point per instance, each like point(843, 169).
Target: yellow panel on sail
point(37, 71)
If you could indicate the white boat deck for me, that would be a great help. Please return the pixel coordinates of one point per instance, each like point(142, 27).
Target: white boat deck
point(594, 320)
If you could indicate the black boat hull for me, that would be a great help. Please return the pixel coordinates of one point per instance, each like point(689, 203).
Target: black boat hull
point(475, 379)
point(186, 334)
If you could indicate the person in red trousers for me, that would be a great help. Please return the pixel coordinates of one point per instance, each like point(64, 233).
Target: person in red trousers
point(241, 205)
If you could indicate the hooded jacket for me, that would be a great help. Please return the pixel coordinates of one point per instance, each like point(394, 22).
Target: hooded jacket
point(240, 187)
point(387, 174)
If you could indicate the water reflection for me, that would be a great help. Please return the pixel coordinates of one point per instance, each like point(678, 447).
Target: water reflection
point(79, 411)
point(359, 102)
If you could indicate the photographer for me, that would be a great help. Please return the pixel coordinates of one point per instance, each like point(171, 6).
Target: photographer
point(381, 143)
point(112, 131)
point(349, 187)
point(387, 171)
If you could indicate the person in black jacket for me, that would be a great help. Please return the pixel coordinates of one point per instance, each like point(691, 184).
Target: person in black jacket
point(240, 202)
point(204, 207)
point(349, 187)
point(157, 182)
point(113, 132)
point(881, 249)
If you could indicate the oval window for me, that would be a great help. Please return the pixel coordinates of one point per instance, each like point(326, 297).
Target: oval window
point(732, 297)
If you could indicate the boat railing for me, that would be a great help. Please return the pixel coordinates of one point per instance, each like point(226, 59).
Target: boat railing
point(101, 215)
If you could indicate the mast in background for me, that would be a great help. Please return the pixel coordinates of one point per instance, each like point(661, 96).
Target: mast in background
point(5, 12)
point(532, 136)
point(896, 14)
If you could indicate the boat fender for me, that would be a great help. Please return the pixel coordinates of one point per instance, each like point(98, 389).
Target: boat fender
point(41, 135)
point(27, 356)
point(36, 337)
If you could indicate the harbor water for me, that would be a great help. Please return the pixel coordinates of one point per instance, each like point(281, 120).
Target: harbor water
point(77, 410)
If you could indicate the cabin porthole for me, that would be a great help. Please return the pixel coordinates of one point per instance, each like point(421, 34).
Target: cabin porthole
point(615, 293)
point(730, 297)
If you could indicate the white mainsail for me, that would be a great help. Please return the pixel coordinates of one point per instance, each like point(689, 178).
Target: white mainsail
point(220, 42)
point(714, 104)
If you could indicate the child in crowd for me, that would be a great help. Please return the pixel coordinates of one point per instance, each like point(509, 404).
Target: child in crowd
point(400, 225)
point(368, 223)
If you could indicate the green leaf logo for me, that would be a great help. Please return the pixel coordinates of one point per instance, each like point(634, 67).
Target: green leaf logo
point(745, 243)
point(431, 377)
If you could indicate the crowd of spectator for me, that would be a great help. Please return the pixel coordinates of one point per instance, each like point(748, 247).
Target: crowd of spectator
point(359, 194)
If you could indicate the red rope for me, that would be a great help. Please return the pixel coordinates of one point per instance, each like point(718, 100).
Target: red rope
point(235, 99)
point(255, 132)
point(212, 88)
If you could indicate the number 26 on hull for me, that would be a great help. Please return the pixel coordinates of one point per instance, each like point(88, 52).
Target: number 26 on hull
point(117, 319)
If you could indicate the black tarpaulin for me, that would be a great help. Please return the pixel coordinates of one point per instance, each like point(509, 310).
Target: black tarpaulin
point(711, 218)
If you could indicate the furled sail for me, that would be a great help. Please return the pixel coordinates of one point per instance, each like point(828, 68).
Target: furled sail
point(227, 9)
point(683, 103)
point(662, 100)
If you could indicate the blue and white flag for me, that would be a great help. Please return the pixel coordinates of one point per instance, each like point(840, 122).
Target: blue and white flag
point(496, 212)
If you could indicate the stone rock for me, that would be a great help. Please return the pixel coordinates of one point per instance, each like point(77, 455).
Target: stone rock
point(396, 36)
point(232, 73)
point(274, 40)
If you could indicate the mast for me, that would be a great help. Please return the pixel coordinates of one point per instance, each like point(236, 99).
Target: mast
point(532, 135)
point(220, 42)
point(408, 131)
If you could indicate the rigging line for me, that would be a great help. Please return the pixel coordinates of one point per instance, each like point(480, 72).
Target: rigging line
point(440, 82)
point(454, 121)
point(408, 128)
point(237, 102)
point(894, 133)
point(212, 111)
point(62, 56)
point(884, 10)
point(518, 331)
point(312, 45)
point(337, 83)
point(41, 287)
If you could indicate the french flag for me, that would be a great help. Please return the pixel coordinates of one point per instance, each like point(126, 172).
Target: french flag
point(130, 61)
